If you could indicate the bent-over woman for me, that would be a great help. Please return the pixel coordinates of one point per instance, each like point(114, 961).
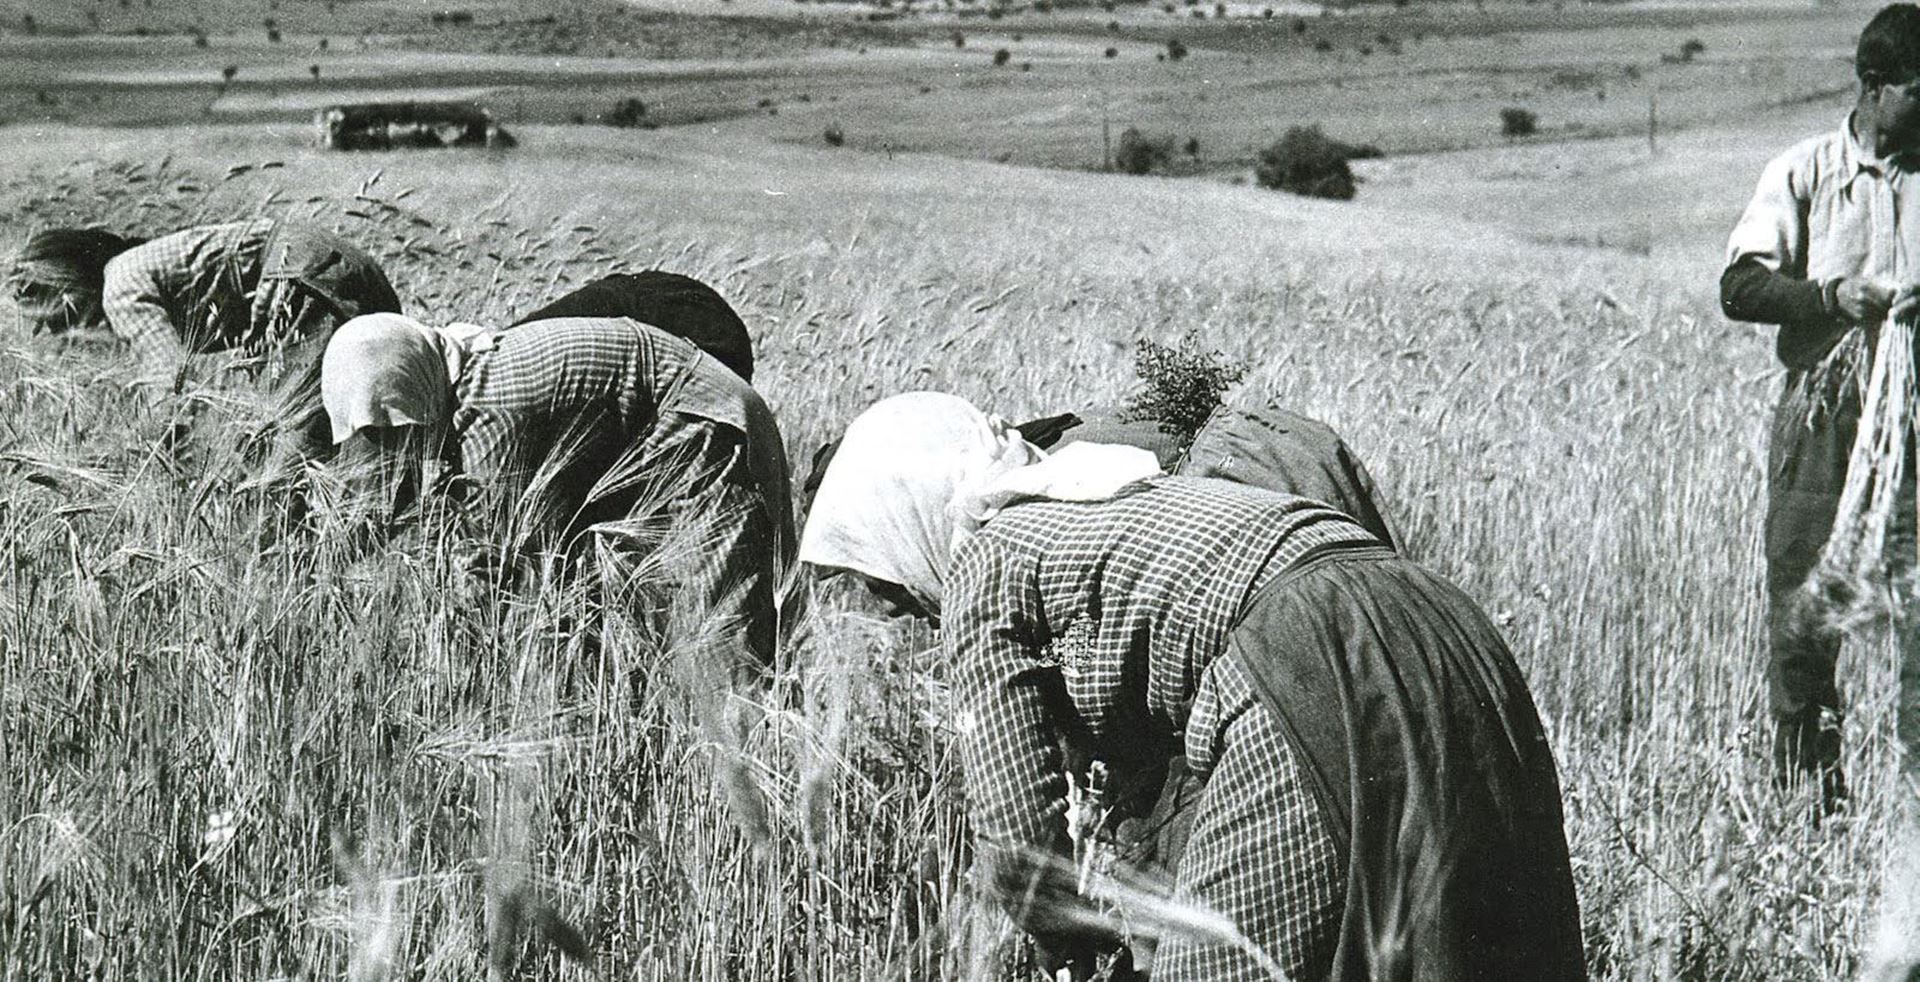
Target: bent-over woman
point(570, 423)
point(266, 287)
point(241, 286)
point(1371, 794)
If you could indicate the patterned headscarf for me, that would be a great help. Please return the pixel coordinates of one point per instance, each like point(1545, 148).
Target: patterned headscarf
point(918, 474)
point(389, 370)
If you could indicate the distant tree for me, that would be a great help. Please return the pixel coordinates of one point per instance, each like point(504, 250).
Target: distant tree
point(1692, 48)
point(1516, 122)
point(1323, 45)
point(28, 24)
point(1113, 27)
point(1113, 52)
point(1026, 66)
point(627, 113)
point(200, 39)
point(323, 44)
point(1137, 153)
point(834, 135)
point(1175, 49)
point(1267, 13)
point(314, 70)
point(1220, 9)
point(227, 74)
point(1002, 56)
point(1305, 161)
point(273, 35)
point(959, 40)
point(1299, 25)
point(1193, 146)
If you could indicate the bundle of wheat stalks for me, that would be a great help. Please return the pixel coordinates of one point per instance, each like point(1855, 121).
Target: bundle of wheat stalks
point(1852, 573)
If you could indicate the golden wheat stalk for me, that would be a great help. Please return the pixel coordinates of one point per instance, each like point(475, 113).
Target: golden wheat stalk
point(1855, 558)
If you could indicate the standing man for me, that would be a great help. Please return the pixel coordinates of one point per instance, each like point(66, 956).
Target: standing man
point(1827, 248)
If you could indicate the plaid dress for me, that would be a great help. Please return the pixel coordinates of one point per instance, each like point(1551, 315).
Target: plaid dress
point(248, 286)
point(1100, 627)
point(578, 424)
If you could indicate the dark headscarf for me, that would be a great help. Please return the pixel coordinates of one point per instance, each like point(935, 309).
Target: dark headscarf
point(69, 257)
point(679, 305)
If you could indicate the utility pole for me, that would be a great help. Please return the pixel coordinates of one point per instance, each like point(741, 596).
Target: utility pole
point(1653, 119)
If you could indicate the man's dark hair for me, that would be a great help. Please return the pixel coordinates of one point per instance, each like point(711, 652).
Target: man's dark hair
point(1889, 51)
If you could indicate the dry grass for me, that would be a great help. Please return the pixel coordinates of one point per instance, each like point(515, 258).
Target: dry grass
point(229, 765)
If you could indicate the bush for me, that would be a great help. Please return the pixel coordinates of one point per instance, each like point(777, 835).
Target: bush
point(1176, 50)
point(628, 112)
point(1137, 153)
point(1306, 161)
point(1323, 45)
point(1183, 386)
point(1691, 48)
point(959, 40)
point(834, 135)
point(1113, 52)
point(1002, 56)
point(1517, 122)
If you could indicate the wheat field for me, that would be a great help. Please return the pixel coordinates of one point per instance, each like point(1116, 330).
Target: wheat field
point(224, 763)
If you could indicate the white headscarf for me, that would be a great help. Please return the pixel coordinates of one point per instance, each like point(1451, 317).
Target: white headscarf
point(917, 474)
point(390, 370)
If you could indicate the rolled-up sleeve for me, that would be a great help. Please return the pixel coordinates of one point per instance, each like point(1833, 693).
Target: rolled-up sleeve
point(1772, 231)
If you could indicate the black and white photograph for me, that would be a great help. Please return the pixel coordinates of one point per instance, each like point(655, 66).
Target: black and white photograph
point(977, 490)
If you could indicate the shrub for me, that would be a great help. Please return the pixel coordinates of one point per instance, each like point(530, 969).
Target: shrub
point(1193, 146)
point(314, 70)
point(199, 39)
point(1220, 10)
point(959, 40)
point(628, 112)
point(1691, 48)
point(273, 35)
point(1516, 122)
point(1002, 56)
point(1113, 52)
point(1175, 49)
point(1323, 45)
point(834, 135)
point(1183, 386)
point(1305, 161)
point(1137, 153)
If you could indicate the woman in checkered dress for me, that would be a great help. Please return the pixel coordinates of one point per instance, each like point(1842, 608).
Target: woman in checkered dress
point(264, 287)
point(241, 286)
point(567, 426)
point(1361, 785)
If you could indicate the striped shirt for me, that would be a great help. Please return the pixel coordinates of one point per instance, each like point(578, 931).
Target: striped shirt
point(1094, 623)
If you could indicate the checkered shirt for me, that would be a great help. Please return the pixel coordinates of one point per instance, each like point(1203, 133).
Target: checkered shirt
point(1094, 623)
point(185, 293)
point(516, 397)
point(569, 422)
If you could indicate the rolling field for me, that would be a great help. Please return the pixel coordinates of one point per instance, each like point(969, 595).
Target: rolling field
point(229, 763)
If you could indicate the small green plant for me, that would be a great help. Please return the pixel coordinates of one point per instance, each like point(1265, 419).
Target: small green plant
point(1183, 386)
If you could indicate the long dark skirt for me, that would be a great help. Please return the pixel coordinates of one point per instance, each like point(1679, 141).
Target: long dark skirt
point(1416, 733)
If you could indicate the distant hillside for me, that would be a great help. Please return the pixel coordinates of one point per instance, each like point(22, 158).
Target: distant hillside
point(605, 28)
